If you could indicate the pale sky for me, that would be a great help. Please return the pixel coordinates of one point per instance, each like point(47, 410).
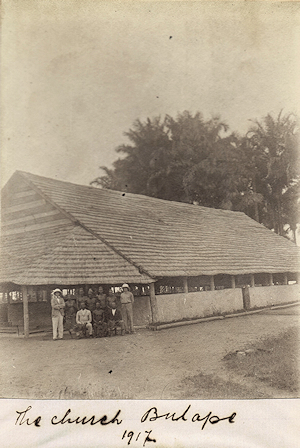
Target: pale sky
point(76, 74)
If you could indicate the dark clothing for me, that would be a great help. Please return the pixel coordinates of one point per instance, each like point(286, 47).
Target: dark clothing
point(113, 316)
point(114, 320)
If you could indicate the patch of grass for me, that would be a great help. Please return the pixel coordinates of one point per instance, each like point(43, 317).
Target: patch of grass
point(274, 360)
point(211, 387)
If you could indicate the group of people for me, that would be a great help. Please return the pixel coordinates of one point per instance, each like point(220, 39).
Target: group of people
point(94, 315)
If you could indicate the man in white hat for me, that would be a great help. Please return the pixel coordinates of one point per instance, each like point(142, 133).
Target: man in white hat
point(127, 299)
point(58, 305)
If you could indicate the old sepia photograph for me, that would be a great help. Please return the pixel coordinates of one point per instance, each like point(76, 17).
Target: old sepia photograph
point(150, 184)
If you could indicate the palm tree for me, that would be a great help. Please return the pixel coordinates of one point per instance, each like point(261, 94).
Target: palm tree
point(273, 144)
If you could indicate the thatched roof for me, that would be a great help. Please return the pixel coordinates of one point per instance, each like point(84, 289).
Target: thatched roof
point(105, 236)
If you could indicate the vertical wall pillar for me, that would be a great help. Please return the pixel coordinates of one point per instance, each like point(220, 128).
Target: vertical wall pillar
point(232, 281)
point(252, 280)
point(212, 283)
point(6, 292)
point(270, 279)
point(25, 311)
point(185, 285)
point(153, 303)
point(298, 277)
point(285, 279)
point(246, 297)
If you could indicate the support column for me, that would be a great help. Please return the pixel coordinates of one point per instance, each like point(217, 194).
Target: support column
point(298, 278)
point(252, 280)
point(212, 283)
point(6, 291)
point(185, 285)
point(270, 279)
point(232, 281)
point(25, 311)
point(285, 279)
point(153, 303)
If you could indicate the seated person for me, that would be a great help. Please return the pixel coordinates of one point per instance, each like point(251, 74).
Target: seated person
point(114, 319)
point(91, 301)
point(84, 322)
point(99, 324)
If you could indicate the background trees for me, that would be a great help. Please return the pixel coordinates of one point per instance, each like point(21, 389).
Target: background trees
point(199, 161)
point(275, 141)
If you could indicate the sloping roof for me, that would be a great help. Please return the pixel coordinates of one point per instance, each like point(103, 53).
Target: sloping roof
point(68, 255)
point(156, 238)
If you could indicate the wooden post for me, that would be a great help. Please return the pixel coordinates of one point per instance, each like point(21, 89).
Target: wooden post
point(185, 285)
point(285, 279)
point(270, 279)
point(25, 311)
point(298, 278)
point(252, 280)
point(6, 293)
point(212, 283)
point(232, 281)
point(153, 303)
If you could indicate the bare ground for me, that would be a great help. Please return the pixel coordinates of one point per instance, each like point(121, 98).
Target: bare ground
point(146, 365)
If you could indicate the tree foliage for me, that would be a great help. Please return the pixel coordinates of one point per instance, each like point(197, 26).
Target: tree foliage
point(275, 142)
point(199, 161)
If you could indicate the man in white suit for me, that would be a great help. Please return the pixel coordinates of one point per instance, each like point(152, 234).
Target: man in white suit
point(58, 305)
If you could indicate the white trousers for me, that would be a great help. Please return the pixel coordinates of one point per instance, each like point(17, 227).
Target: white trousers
point(88, 326)
point(57, 325)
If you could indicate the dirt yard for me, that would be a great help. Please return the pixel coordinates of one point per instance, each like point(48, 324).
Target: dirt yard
point(145, 365)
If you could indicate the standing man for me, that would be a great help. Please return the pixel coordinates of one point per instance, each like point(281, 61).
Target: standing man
point(70, 314)
point(84, 321)
point(57, 305)
point(127, 299)
point(101, 297)
point(91, 300)
point(111, 297)
point(80, 298)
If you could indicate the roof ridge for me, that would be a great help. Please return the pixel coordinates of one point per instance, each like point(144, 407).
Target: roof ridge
point(110, 191)
point(76, 222)
point(26, 173)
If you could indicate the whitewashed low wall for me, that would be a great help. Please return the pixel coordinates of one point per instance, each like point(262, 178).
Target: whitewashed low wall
point(172, 307)
point(273, 295)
